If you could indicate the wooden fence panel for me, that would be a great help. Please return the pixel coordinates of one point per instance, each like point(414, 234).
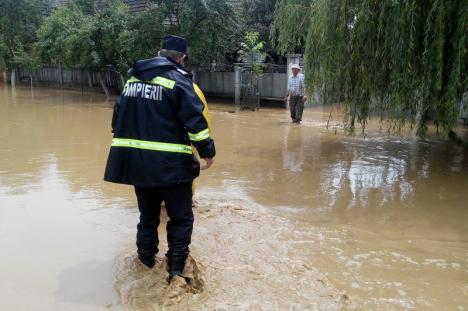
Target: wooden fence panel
point(71, 77)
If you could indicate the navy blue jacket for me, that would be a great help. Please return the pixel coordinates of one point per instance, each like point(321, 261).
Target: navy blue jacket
point(156, 119)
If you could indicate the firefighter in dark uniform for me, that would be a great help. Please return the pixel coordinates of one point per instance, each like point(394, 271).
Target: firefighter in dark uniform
point(156, 120)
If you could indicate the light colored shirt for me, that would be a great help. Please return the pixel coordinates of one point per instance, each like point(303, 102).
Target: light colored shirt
point(296, 85)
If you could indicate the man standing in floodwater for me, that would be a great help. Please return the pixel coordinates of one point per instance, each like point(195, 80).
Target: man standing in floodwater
point(296, 96)
point(156, 120)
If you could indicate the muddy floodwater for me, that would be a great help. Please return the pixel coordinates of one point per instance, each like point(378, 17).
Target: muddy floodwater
point(288, 218)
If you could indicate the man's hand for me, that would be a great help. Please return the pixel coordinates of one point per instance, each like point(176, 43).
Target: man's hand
point(304, 99)
point(209, 162)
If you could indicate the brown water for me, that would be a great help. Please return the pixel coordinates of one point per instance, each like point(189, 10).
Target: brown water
point(289, 217)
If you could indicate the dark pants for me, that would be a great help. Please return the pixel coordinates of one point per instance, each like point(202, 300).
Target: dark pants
point(178, 201)
point(296, 106)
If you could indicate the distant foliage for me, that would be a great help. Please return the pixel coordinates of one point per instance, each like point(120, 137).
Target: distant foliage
point(19, 20)
point(95, 34)
point(209, 26)
point(3, 54)
point(53, 33)
point(28, 60)
point(291, 24)
point(405, 59)
point(142, 37)
point(81, 35)
point(252, 52)
point(257, 16)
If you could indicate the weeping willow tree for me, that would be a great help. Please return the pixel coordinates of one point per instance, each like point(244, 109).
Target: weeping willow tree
point(403, 59)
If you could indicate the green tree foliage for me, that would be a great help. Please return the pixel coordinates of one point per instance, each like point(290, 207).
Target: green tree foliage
point(291, 24)
point(92, 41)
point(97, 34)
point(142, 38)
point(257, 16)
point(209, 26)
point(92, 34)
point(3, 54)
point(405, 59)
point(53, 33)
point(29, 60)
point(19, 20)
point(86, 35)
point(251, 52)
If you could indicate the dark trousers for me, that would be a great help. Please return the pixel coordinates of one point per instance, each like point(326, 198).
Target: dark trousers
point(178, 201)
point(296, 107)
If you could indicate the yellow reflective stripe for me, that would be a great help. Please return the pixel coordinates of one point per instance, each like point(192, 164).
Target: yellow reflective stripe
point(133, 79)
point(206, 111)
point(151, 145)
point(167, 83)
point(200, 135)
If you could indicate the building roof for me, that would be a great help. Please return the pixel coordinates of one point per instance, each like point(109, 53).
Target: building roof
point(136, 6)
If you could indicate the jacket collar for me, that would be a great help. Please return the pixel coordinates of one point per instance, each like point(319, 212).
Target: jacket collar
point(147, 69)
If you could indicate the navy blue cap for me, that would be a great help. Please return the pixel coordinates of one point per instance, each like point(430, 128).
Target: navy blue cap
point(174, 43)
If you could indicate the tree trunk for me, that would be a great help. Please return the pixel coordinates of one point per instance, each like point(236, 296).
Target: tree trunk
point(103, 84)
point(122, 81)
point(90, 78)
point(5, 78)
point(13, 77)
point(194, 77)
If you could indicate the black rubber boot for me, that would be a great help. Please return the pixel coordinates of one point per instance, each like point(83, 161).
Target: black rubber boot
point(147, 260)
point(175, 265)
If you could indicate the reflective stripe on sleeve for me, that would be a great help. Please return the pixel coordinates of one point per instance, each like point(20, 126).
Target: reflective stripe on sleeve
point(200, 135)
point(151, 145)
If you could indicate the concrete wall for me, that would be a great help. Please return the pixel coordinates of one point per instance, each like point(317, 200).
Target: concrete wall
point(216, 83)
point(270, 85)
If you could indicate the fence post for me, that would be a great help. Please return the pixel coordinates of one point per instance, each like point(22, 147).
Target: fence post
point(90, 78)
point(237, 84)
point(102, 81)
point(194, 76)
point(13, 77)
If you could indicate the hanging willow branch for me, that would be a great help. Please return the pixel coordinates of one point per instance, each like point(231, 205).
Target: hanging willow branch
point(404, 59)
